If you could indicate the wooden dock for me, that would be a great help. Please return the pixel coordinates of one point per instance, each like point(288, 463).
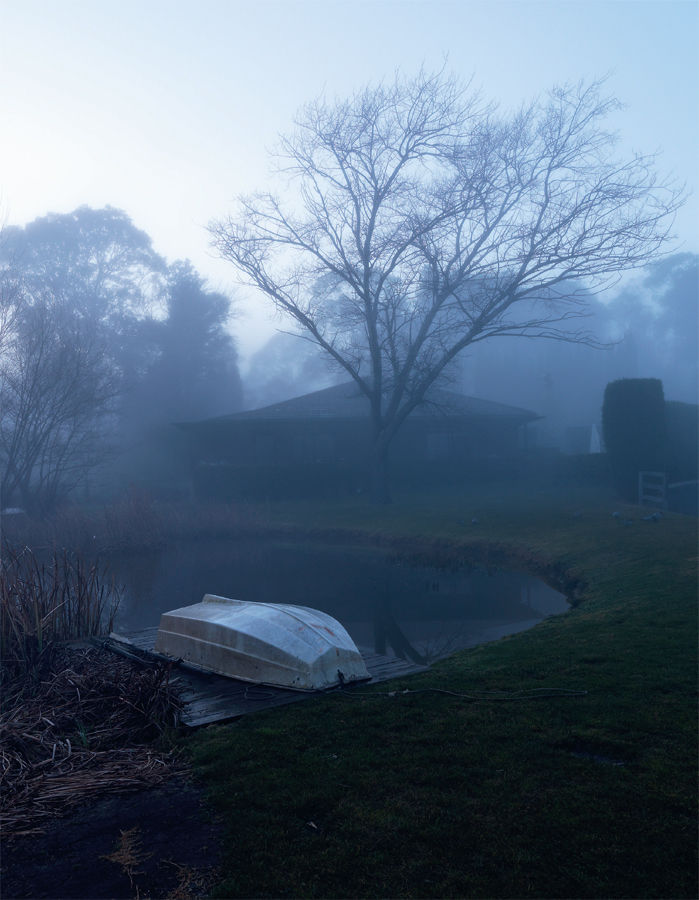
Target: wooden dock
point(210, 698)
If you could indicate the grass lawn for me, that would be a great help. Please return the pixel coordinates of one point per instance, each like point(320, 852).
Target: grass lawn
point(426, 794)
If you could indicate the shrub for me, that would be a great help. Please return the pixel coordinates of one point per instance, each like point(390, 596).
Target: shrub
point(682, 440)
point(633, 423)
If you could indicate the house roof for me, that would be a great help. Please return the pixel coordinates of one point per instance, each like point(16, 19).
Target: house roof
point(344, 401)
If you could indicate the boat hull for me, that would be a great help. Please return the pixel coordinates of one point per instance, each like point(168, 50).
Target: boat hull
point(264, 643)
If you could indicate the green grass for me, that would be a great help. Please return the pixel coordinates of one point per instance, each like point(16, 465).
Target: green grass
point(429, 795)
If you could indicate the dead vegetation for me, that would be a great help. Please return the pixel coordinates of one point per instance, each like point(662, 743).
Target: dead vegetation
point(89, 727)
point(134, 524)
point(130, 855)
point(74, 723)
point(45, 601)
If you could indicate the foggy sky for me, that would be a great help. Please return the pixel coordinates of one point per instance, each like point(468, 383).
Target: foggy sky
point(165, 108)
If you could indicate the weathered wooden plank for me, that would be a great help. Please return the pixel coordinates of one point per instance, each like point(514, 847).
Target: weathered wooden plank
point(210, 698)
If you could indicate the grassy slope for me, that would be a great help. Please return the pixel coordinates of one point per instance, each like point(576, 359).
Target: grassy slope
point(429, 795)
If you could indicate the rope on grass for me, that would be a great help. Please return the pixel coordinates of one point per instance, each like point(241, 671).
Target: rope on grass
point(476, 696)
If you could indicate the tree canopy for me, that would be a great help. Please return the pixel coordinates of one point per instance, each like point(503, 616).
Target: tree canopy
point(193, 371)
point(101, 342)
point(659, 315)
point(94, 260)
point(414, 220)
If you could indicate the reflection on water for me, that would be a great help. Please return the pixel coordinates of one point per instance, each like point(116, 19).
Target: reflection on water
point(417, 613)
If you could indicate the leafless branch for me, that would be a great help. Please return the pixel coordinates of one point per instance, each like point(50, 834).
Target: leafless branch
point(415, 220)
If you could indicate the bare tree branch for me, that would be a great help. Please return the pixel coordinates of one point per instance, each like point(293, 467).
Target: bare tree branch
point(416, 221)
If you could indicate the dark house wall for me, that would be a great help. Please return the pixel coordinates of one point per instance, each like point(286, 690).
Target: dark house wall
point(298, 449)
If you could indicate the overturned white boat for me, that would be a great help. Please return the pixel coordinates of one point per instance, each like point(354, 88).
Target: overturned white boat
point(265, 643)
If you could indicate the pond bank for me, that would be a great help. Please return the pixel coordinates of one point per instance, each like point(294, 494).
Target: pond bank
point(431, 795)
point(415, 602)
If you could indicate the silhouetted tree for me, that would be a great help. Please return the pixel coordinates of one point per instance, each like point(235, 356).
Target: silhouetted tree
point(94, 261)
point(427, 219)
point(659, 314)
point(286, 366)
point(78, 285)
point(194, 371)
point(97, 266)
point(102, 343)
point(10, 302)
point(56, 394)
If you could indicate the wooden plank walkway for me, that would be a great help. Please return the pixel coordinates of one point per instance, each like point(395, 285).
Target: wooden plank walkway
point(210, 698)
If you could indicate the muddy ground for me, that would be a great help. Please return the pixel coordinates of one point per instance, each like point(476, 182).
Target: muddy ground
point(155, 843)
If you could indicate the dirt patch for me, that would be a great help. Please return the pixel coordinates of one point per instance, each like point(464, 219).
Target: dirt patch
point(92, 803)
point(155, 843)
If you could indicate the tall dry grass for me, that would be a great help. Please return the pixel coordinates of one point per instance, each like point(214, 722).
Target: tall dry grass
point(45, 602)
point(134, 523)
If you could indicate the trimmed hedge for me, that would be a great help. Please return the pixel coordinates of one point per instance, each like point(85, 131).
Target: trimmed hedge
point(634, 428)
point(682, 440)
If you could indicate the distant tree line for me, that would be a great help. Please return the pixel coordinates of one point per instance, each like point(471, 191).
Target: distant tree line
point(101, 343)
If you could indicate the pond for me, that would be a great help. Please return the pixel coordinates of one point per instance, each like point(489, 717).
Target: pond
point(387, 606)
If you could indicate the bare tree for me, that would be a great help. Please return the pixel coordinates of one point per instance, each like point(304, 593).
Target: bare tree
point(10, 295)
point(417, 221)
point(74, 289)
point(55, 394)
point(10, 301)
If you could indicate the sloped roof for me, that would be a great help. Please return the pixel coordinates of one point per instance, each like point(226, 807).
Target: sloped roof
point(344, 401)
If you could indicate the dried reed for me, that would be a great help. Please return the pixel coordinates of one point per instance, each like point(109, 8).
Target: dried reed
point(134, 523)
point(87, 729)
point(46, 602)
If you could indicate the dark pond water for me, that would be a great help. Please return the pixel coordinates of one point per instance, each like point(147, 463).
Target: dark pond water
point(419, 613)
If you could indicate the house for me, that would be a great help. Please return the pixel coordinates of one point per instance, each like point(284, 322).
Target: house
point(320, 442)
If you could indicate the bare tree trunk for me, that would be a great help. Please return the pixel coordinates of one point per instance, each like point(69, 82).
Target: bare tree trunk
point(378, 470)
point(428, 223)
